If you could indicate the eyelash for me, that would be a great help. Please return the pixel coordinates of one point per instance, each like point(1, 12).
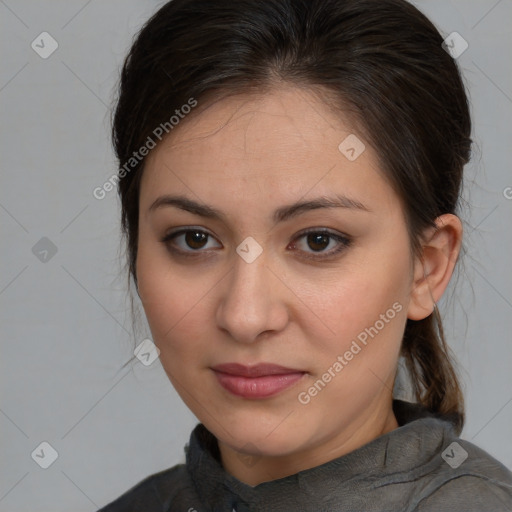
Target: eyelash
point(343, 240)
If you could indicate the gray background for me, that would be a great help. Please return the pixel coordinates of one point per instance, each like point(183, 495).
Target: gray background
point(65, 322)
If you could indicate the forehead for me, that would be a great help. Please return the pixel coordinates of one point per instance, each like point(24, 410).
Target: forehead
point(290, 111)
point(285, 143)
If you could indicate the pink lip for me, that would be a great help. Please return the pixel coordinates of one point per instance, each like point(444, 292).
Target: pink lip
point(259, 381)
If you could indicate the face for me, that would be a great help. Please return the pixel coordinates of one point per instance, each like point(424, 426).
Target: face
point(238, 274)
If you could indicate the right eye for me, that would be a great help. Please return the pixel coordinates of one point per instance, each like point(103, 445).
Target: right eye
point(188, 241)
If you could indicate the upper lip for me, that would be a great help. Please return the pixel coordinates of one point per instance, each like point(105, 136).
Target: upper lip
point(257, 370)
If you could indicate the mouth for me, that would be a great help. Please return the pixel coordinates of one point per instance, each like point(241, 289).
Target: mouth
point(258, 381)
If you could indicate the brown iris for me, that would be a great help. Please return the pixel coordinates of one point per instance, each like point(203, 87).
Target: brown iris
point(196, 239)
point(318, 240)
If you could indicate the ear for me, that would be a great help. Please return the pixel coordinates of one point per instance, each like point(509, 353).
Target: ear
point(433, 268)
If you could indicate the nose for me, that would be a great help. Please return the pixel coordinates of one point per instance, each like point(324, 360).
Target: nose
point(253, 300)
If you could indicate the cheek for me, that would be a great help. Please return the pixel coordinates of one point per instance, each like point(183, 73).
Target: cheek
point(365, 303)
point(176, 306)
point(355, 296)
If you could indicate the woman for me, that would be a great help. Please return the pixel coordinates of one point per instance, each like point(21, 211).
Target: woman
point(289, 177)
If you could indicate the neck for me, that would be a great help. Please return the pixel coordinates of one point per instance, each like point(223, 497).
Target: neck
point(266, 468)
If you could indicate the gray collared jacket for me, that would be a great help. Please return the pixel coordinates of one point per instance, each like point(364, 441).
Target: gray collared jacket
point(420, 466)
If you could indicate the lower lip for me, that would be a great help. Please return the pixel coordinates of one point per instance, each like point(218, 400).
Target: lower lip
point(257, 387)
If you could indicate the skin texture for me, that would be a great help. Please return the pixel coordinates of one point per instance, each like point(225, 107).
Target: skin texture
point(246, 156)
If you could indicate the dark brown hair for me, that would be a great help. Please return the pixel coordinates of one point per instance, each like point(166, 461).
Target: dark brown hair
point(383, 59)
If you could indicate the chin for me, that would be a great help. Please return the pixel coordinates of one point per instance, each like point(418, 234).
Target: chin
point(254, 434)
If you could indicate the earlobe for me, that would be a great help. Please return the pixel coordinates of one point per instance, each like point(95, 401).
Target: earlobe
point(434, 267)
point(422, 301)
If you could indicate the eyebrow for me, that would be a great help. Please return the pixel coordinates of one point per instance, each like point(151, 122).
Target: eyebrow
point(280, 215)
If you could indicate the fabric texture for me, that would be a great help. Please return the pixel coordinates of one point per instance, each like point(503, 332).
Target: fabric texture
point(420, 466)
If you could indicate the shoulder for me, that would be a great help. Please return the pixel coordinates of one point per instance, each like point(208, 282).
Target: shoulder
point(467, 479)
point(154, 493)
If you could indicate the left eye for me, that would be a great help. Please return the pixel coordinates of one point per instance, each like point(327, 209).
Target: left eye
point(319, 241)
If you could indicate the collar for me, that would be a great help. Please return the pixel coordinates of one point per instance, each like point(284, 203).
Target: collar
point(406, 449)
